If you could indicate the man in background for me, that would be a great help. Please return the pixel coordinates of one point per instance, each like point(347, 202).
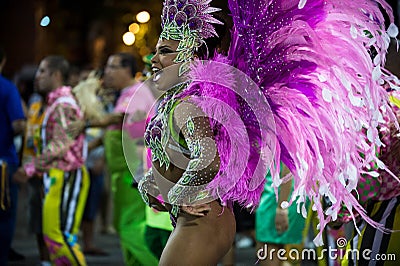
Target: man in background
point(60, 159)
point(12, 122)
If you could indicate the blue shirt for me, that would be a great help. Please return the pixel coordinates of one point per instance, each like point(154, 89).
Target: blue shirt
point(10, 111)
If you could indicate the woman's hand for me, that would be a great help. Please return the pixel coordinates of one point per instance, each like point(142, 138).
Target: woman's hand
point(281, 220)
point(198, 210)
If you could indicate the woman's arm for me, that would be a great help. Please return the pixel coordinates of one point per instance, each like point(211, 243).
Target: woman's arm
point(203, 163)
point(77, 127)
point(60, 146)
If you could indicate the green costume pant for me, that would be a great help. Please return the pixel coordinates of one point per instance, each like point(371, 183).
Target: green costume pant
point(129, 208)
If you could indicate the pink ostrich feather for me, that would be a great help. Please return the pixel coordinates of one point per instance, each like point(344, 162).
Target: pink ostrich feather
point(242, 168)
point(312, 60)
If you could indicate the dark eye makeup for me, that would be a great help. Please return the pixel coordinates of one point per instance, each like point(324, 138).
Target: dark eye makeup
point(166, 51)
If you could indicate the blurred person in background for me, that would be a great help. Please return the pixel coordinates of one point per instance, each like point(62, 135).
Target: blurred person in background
point(86, 92)
point(379, 191)
point(60, 160)
point(277, 227)
point(129, 210)
point(12, 122)
point(35, 115)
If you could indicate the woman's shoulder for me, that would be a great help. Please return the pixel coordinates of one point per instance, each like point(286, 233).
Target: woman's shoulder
point(187, 108)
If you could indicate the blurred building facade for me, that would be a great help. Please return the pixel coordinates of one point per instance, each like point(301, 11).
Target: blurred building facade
point(85, 32)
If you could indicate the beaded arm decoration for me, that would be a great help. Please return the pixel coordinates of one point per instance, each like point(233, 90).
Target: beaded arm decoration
point(146, 184)
point(191, 188)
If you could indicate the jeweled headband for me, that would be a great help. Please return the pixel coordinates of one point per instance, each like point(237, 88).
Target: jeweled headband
point(189, 22)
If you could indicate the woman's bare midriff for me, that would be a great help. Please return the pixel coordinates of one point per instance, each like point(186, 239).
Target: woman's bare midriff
point(195, 240)
point(201, 240)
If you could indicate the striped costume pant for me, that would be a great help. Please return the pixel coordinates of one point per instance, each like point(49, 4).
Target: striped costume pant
point(375, 247)
point(63, 207)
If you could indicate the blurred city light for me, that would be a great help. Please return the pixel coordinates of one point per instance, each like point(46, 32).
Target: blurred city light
point(143, 17)
point(134, 28)
point(128, 38)
point(45, 21)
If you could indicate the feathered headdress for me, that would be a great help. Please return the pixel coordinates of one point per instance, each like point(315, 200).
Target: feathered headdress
point(190, 23)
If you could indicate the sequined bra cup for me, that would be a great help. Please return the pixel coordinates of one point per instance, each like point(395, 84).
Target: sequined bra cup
point(159, 130)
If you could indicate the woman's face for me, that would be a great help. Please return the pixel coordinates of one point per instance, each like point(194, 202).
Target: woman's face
point(166, 71)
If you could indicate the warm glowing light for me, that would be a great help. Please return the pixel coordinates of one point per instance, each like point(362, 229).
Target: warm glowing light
point(128, 38)
point(45, 21)
point(134, 28)
point(143, 17)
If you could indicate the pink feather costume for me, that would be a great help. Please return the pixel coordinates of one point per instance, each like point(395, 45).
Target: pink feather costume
point(311, 60)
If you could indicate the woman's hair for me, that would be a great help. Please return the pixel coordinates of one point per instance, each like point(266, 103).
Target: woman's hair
point(220, 44)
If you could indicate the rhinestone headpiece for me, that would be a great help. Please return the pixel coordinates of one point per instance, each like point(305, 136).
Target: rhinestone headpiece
point(189, 22)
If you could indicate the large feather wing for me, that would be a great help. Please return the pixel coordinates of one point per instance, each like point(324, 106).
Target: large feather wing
point(320, 65)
